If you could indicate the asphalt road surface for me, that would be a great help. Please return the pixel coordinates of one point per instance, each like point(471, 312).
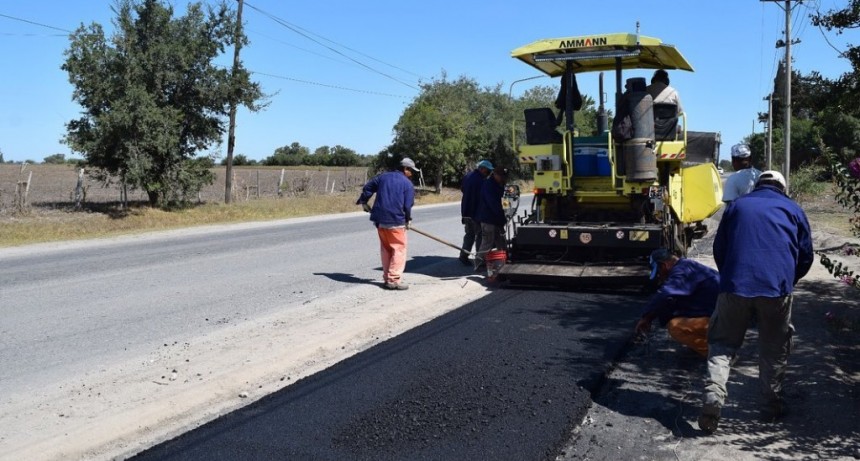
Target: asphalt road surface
point(507, 377)
point(504, 377)
point(88, 303)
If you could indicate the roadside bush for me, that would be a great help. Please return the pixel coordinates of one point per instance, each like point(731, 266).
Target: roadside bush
point(847, 180)
point(806, 183)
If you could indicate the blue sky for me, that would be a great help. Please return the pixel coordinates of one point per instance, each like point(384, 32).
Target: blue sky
point(344, 71)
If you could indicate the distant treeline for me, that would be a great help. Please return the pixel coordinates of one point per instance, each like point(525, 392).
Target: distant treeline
point(292, 155)
point(297, 155)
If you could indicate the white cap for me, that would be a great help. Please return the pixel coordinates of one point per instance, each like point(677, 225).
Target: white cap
point(408, 163)
point(772, 177)
point(741, 151)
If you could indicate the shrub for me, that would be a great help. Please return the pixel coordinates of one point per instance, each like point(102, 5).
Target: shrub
point(806, 183)
point(847, 180)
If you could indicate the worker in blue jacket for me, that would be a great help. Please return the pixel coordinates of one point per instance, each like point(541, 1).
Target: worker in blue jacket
point(471, 188)
point(391, 213)
point(491, 215)
point(685, 300)
point(762, 248)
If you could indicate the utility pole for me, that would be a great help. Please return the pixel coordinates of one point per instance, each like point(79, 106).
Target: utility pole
point(768, 148)
point(787, 44)
point(787, 166)
point(231, 134)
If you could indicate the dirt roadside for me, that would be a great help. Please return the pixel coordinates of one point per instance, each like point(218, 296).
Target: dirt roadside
point(649, 404)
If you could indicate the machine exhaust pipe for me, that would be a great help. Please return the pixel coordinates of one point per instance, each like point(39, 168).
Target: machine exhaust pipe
point(602, 118)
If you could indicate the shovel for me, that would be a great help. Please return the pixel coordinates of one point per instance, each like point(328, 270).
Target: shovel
point(445, 242)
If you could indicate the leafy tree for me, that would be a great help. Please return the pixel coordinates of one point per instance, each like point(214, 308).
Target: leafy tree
point(806, 143)
point(183, 186)
point(840, 132)
point(342, 156)
point(450, 126)
point(847, 87)
point(152, 96)
point(538, 96)
point(433, 129)
point(56, 159)
point(292, 155)
point(490, 133)
point(758, 149)
point(320, 157)
point(240, 160)
point(1, 157)
point(453, 124)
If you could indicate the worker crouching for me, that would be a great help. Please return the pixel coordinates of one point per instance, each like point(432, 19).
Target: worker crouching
point(684, 301)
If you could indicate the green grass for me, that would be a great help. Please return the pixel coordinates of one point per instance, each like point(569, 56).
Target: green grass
point(50, 225)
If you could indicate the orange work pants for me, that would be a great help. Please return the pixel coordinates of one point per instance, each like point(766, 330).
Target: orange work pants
point(691, 332)
point(392, 249)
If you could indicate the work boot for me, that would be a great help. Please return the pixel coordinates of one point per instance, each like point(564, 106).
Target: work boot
point(709, 419)
point(396, 286)
point(773, 411)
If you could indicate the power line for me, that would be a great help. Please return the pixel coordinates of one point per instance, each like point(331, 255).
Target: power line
point(307, 36)
point(329, 86)
point(255, 32)
point(34, 23)
point(22, 34)
point(841, 54)
point(355, 51)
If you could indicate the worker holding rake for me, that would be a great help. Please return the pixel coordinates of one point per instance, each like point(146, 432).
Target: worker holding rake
point(391, 214)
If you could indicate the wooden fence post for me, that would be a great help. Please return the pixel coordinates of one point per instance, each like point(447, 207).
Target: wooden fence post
point(22, 189)
point(79, 190)
point(281, 183)
point(233, 185)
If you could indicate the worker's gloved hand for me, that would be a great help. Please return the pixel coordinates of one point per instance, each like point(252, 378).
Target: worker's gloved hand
point(366, 207)
point(409, 224)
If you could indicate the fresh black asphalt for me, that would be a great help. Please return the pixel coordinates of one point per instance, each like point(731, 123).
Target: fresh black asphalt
point(507, 377)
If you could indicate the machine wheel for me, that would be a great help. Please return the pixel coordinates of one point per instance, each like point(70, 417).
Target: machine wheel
point(674, 237)
point(682, 243)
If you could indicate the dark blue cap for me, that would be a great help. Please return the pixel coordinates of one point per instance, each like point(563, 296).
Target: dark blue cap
point(657, 256)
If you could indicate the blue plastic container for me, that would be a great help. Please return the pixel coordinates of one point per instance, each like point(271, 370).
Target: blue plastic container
point(602, 163)
point(584, 162)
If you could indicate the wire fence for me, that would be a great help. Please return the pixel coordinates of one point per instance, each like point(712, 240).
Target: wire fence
point(60, 186)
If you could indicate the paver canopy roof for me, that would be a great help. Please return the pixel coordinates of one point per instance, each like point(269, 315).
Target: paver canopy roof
point(600, 53)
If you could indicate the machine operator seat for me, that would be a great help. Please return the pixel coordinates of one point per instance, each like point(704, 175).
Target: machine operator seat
point(540, 126)
point(665, 121)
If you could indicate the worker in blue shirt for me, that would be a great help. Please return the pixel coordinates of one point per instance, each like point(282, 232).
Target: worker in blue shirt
point(391, 213)
point(471, 188)
point(685, 300)
point(491, 214)
point(762, 248)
